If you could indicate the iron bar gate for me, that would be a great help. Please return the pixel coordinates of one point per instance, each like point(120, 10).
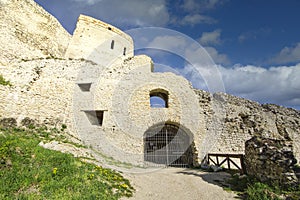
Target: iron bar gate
point(168, 145)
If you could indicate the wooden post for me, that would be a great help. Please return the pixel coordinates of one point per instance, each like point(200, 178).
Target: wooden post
point(243, 165)
point(228, 161)
point(207, 158)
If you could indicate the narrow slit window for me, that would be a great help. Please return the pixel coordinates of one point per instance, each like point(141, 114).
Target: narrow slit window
point(95, 117)
point(124, 51)
point(85, 87)
point(112, 44)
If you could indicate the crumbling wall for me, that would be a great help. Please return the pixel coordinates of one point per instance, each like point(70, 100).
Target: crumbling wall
point(233, 120)
point(45, 88)
point(271, 160)
point(99, 42)
point(42, 90)
point(122, 92)
point(27, 31)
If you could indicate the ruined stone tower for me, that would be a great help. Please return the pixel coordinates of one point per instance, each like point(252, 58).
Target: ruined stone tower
point(92, 82)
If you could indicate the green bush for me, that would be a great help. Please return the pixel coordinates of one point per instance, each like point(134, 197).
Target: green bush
point(261, 191)
point(251, 189)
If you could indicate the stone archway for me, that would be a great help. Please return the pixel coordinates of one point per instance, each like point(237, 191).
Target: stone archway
point(168, 144)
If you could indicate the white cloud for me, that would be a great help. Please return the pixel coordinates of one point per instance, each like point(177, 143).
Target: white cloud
point(216, 56)
point(211, 38)
point(181, 46)
point(168, 42)
point(193, 19)
point(279, 85)
point(195, 10)
point(128, 12)
point(89, 2)
point(287, 55)
point(190, 5)
point(211, 4)
point(195, 5)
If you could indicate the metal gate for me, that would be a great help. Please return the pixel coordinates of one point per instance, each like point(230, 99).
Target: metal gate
point(168, 145)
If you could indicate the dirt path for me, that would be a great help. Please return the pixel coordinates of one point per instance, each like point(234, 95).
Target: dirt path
point(179, 184)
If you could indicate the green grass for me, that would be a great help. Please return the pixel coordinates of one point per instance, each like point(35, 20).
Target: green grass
point(28, 171)
point(3, 81)
point(251, 189)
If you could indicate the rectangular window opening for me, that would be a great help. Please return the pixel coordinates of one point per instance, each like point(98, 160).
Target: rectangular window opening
point(85, 87)
point(95, 116)
point(124, 51)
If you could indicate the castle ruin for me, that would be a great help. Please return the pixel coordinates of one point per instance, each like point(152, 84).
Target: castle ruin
point(92, 82)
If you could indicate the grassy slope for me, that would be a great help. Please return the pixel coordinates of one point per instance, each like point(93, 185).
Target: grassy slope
point(251, 189)
point(28, 171)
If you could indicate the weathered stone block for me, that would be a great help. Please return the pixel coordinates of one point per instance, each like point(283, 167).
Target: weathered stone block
point(8, 122)
point(264, 159)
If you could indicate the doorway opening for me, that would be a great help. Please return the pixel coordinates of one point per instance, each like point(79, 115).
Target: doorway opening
point(168, 144)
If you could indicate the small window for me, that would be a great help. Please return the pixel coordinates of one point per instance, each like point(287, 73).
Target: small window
point(85, 87)
point(124, 51)
point(95, 117)
point(109, 28)
point(157, 102)
point(112, 44)
point(159, 98)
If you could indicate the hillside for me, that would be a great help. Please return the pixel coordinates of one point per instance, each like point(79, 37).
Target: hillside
point(28, 171)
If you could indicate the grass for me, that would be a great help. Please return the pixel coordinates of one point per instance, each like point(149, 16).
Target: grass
point(3, 81)
point(251, 189)
point(28, 171)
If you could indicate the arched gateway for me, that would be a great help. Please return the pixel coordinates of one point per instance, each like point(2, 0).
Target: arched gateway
point(168, 144)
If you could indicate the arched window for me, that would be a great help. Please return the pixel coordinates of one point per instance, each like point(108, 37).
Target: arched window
point(159, 98)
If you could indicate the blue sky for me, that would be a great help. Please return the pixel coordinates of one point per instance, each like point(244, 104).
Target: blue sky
point(255, 43)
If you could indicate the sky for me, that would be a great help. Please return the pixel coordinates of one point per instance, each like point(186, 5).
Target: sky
point(255, 44)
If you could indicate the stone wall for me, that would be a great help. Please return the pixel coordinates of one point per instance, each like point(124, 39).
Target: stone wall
point(46, 88)
point(41, 89)
point(99, 42)
point(271, 160)
point(27, 31)
point(234, 120)
point(122, 92)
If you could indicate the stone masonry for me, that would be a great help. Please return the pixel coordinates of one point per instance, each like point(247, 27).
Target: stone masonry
point(94, 75)
point(271, 160)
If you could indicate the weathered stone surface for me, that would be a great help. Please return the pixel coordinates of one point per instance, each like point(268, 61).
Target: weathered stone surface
point(271, 160)
point(99, 42)
point(46, 89)
point(242, 119)
point(27, 31)
point(8, 122)
point(28, 123)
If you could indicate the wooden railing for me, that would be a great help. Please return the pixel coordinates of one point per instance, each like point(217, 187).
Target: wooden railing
point(227, 158)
